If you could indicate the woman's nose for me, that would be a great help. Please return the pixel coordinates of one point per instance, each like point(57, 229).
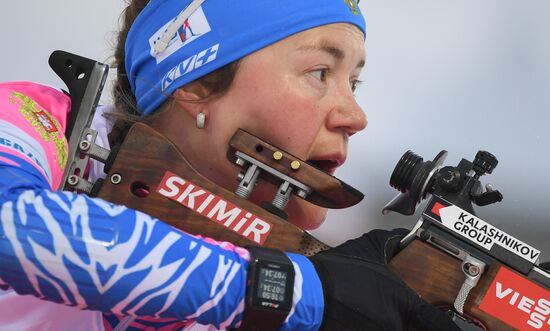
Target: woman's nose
point(347, 115)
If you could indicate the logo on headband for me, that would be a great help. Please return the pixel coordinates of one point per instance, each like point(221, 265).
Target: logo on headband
point(352, 4)
point(192, 28)
point(189, 64)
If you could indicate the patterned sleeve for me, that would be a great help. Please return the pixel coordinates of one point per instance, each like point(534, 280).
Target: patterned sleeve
point(92, 254)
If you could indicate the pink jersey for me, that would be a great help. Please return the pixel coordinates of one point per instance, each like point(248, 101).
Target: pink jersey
point(31, 113)
point(32, 126)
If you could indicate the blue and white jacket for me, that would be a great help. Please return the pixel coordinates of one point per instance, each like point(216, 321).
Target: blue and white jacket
point(111, 268)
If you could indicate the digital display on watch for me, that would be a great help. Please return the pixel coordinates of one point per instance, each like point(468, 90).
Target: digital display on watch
point(272, 284)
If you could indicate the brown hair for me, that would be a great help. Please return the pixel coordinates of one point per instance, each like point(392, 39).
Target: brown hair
point(216, 82)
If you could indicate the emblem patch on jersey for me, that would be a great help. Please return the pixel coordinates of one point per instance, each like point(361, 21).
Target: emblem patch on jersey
point(353, 6)
point(214, 208)
point(518, 302)
point(44, 123)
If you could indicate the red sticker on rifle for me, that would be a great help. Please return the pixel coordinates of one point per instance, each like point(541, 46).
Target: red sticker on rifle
point(214, 208)
point(437, 206)
point(518, 301)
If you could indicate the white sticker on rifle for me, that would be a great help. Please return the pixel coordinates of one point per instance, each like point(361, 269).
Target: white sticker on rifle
point(483, 233)
point(214, 207)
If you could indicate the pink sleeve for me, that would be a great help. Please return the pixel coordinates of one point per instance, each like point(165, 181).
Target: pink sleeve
point(33, 119)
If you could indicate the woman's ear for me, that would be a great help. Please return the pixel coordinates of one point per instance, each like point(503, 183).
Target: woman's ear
point(189, 98)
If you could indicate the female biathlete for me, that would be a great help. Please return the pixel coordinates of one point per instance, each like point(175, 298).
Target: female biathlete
point(196, 71)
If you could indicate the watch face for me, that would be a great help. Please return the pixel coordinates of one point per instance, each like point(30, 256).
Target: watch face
point(272, 284)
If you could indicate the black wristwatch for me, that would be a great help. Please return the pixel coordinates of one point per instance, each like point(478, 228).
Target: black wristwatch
point(269, 289)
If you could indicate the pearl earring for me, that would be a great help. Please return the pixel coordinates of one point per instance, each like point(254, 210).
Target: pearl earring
point(201, 120)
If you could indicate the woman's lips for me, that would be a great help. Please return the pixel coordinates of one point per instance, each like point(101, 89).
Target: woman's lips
point(328, 164)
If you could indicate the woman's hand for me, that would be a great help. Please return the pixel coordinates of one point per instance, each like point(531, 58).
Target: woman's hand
point(361, 293)
point(375, 246)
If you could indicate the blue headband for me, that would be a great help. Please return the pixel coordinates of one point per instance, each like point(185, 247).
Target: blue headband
point(217, 33)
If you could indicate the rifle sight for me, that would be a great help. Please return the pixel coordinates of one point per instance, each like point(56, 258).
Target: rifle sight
point(416, 178)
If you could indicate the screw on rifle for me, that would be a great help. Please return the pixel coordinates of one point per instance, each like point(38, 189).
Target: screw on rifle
point(472, 269)
point(72, 180)
point(277, 156)
point(240, 176)
point(295, 165)
point(116, 179)
point(84, 145)
point(240, 162)
point(302, 194)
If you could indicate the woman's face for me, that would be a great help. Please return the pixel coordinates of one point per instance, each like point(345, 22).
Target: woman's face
point(297, 94)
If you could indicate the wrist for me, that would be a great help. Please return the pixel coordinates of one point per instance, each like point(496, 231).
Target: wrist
point(308, 303)
point(306, 312)
point(269, 289)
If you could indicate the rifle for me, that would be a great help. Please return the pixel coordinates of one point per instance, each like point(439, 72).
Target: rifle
point(485, 278)
point(148, 173)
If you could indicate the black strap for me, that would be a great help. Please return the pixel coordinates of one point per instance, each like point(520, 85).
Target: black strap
point(262, 321)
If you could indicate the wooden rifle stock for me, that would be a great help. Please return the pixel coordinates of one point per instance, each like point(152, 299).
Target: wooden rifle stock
point(142, 162)
point(437, 277)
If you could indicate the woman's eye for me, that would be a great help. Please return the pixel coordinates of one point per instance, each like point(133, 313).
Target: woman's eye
point(355, 84)
point(320, 74)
